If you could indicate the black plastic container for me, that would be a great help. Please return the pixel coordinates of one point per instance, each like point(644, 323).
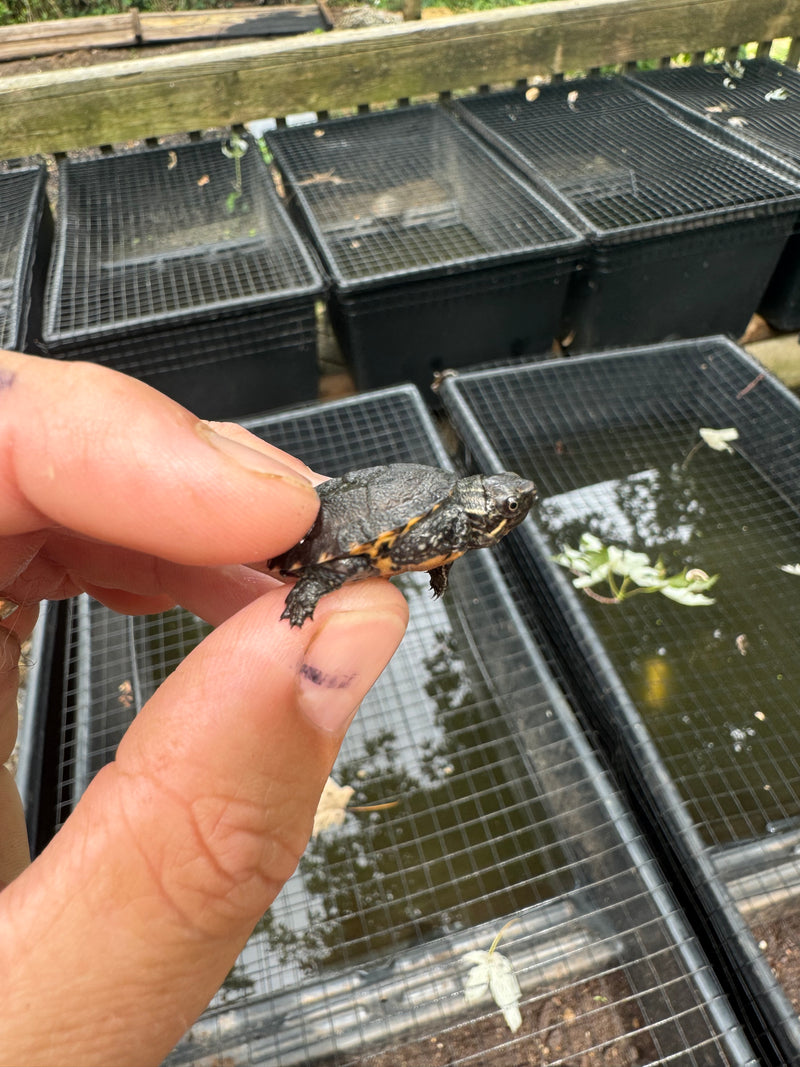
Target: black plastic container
point(689, 698)
point(179, 266)
point(685, 231)
point(440, 257)
point(39, 705)
point(26, 232)
point(503, 812)
point(757, 102)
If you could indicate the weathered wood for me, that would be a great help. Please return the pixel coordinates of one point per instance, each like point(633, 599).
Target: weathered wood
point(133, 28)
point(61, 35)
point(147, 97)
point(160, 27)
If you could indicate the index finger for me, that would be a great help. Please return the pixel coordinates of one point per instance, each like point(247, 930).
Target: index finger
point(84, 447)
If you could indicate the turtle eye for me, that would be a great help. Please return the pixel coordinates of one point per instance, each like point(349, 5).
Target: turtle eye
point(512, 504)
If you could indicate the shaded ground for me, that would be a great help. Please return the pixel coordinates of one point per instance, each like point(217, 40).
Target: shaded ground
point(594, 1024)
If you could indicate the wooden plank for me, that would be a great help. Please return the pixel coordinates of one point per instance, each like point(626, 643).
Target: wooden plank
point(125, 31)
point(162, 27)
point(64, 35)
point(232, 84)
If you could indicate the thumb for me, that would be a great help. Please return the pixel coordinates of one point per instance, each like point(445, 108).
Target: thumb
point(139, 906)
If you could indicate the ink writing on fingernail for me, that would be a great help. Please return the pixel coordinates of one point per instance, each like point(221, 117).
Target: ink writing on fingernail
point(325, 680)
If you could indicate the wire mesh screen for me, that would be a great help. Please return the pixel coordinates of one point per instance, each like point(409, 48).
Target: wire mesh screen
point(702, 699)
point(501, 813)
point(619, 158)
point(165, 232)
point(180, 266)
point(756, 100)
point(394, 193)
point(24, 219)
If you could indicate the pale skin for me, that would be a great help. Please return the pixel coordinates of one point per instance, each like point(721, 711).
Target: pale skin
point(116, 937)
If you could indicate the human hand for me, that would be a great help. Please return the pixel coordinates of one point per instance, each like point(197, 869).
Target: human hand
point(117, 936)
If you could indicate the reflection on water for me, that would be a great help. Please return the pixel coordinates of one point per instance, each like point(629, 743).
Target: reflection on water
point(719, 686)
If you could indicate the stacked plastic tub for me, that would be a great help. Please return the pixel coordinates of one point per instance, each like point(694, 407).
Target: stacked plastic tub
point(685, 230)
point(491, 810)
point(439, 256)
point(180, 266)
point(26, 229)
point(652, 462)
point(757, 102)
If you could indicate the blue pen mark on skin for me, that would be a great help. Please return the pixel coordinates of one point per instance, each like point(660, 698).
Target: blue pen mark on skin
point(7, 378)
point(325, 680)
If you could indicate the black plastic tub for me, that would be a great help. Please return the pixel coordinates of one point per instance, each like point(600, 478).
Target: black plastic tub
point(180, 266)
point(699, 704)
point(757, 102)
point(26, 233)
point(685, 231)
point(39, 708)
point(503, 813)
point(439, 256)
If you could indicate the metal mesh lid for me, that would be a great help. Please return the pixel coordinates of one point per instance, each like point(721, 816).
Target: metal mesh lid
point(160, 233)
point(21, 193)
point(613, 443)
point(757, 99)
point(622, 160)
point(397, 192)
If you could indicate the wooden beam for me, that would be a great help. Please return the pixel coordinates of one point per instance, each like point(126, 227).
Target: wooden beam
point(160, 27)
point(139, 98)
point(62, 35)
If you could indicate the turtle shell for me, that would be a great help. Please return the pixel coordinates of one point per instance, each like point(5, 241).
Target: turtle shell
point(367, 506)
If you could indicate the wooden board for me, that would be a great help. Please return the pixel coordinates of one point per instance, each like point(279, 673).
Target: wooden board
point(133, 28)
point(140, 98)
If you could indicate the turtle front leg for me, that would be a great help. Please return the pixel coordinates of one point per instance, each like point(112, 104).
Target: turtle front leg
point(438, 576)
point(314, 582)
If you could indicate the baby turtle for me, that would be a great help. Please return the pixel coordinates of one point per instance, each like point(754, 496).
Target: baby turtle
point(402, 517)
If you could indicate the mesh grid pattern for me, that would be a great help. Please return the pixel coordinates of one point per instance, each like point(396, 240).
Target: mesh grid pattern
point(164, 233)
point(21, 203)
point(715, 690)
point(395, 193)
point(620, 159)
point(502, 811)
point(741, 106)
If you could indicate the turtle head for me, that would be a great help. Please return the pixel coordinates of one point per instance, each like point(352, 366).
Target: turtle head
point(494, 505)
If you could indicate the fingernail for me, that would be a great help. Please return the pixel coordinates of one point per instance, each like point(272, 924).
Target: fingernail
point(344, 659)
point(248, 457)
point(7, 607)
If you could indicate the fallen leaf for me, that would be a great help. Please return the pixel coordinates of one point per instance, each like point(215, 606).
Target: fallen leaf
point(332, 807)
point(718, 439)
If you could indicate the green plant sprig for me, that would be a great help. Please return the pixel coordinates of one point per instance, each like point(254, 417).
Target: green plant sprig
point(594, 563)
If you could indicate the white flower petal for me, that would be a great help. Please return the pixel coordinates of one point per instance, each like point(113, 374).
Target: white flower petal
point(791, 568)
point(513, 1017)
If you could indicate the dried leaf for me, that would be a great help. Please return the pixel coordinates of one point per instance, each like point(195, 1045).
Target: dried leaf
point(718, 439)
point(332, 807)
